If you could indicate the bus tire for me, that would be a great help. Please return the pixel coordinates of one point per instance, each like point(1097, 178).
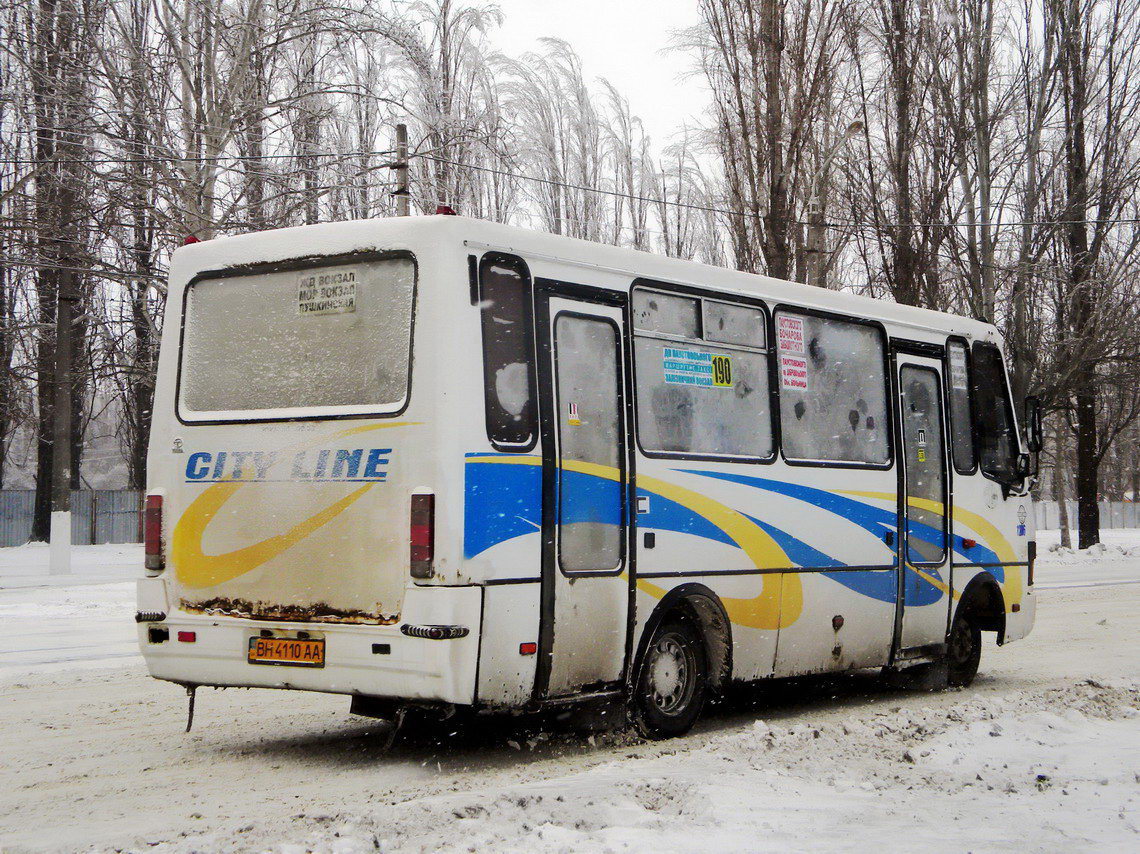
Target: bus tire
point(672, 681)
point(963, 648)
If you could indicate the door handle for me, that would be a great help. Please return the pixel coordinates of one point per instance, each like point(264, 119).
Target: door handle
point(889, 538)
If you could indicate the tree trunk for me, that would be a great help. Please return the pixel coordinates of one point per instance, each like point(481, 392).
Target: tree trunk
point(1062, 497)
point(1081, 288)
point(45, 68)
point(1088, 469)
point(906, 289)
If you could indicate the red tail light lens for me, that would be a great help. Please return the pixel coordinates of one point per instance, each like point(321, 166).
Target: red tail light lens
point(422, 535)
point(152, 523)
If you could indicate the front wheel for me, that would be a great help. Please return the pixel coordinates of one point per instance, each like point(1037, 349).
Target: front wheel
point(672, 682)
point(964, 649)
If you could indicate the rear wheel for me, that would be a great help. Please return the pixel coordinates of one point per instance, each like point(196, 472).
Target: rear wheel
point(672, 681)
point(964, 648)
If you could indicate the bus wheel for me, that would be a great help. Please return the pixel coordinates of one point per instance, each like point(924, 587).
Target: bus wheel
point(964, 649)
point(672, 682)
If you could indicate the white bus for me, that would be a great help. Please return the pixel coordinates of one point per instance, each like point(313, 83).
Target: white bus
point(446, 463)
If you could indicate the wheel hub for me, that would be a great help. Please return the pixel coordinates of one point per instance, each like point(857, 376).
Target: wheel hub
point(671, 674)
point(960, 643)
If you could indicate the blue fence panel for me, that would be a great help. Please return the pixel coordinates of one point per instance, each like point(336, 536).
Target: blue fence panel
point(97, 516)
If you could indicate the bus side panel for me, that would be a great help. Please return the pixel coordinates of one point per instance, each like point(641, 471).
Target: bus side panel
point(842, 523)
point(690, 530)
point(753, 649)
point(1000, 530)
point(732, 527)
point(838, 627)
point(506, 665)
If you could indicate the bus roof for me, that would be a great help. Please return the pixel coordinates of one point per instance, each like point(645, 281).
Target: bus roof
point(286, 244)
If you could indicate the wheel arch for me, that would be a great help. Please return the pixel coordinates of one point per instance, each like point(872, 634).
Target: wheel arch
point(984, 599)
point(704, 607)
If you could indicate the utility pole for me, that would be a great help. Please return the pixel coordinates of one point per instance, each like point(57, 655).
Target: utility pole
point(815, 249)
point(401, 170)
point(59, 553)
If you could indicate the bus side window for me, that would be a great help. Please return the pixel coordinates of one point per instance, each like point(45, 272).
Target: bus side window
point(993, 414)
point(961, 423)
point(508, 353)
point(833, 390)
point(701, 369)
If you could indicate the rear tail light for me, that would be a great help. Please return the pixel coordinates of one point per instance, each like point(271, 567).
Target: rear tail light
point(153, 532)
point(422, 535)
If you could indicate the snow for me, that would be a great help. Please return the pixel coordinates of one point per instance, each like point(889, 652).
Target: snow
point(27, 566)
point(61, 622)
point(1115, 560)
point(926, 779)
point(1041, 754)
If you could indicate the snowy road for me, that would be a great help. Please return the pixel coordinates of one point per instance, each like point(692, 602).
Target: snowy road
point(1033, 757)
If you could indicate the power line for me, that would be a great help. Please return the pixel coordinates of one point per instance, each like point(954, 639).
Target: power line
point(727, 212)
point(174, 159)
point(552, 183)
point(833, 225)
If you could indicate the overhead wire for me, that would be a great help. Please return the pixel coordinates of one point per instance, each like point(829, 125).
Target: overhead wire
point(551, 182)
point(834, 224)
point(174, 159)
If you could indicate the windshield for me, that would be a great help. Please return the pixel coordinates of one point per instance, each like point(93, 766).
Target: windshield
point(335, 337)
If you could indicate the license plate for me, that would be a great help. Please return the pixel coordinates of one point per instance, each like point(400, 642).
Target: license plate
point(293, 651)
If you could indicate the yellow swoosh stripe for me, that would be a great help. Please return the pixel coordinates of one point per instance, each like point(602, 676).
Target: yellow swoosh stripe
point(195, 568)
point(990, 535)
point(780, 600)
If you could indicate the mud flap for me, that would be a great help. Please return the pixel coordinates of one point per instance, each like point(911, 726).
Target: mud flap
point(929, 676)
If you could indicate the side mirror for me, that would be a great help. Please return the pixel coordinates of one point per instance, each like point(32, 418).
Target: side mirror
point(1024, 466)
point(1033, 432)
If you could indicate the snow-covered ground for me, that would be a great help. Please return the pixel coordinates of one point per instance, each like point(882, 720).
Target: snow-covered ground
point(60, 622)
point(1116, 560)
point(1041, 754)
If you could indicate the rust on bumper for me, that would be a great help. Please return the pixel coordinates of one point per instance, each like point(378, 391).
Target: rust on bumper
point(318, 612)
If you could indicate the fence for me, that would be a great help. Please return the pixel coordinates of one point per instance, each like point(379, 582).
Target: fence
point(1113, 514)
point(97, 516)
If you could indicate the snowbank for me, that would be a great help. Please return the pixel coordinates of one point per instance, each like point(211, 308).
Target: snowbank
point(1115, 560)
point(1114, 545)
point(27, 565)
point(1048, 770)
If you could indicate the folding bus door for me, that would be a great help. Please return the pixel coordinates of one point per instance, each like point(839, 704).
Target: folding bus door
point(586, 477)
point(923, 495)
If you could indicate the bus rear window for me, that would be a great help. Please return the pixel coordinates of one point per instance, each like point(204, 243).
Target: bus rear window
point(268, 345)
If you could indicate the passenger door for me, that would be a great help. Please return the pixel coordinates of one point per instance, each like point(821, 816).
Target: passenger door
point(586, 593)
point(924, 497)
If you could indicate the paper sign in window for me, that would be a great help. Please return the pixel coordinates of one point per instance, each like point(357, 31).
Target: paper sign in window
point(696, 368)
point(790, 334)
point(793, 372)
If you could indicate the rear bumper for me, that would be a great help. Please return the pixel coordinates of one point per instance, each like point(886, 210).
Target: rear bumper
point(355, 663)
